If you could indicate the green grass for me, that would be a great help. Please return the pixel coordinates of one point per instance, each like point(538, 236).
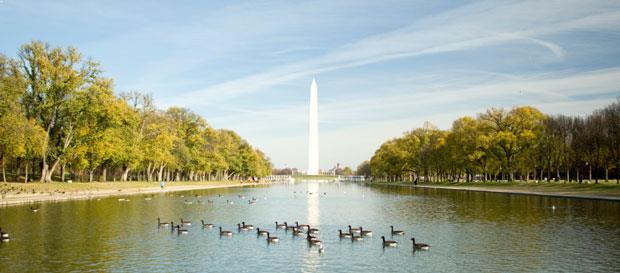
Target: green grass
point(601, 189)
point(314, 177)
point(36, 187)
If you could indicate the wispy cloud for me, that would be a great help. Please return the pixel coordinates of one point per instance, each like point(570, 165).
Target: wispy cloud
point(465, 28)
point(557, 87)
point(374, 119)
point(383, 67)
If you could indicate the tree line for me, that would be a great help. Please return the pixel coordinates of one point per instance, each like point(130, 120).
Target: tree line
point(518, 144)
point(60, 120)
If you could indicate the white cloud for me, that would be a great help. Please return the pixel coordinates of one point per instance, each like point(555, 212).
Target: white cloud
point(362, 124)
point(474, 26)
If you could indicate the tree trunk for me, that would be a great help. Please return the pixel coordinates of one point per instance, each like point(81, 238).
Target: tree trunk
point(3, 170)
point(90, 175)
point(62, 172)
point(50, 171)
point(125, 173)
point(26, 179)
point(590, 171)
point(527, 176)
point(567, 175)
point(148, 172)
point(104, 175)
point(160, 172)
point(43, 170)
point(606, 174)
point(510, 171)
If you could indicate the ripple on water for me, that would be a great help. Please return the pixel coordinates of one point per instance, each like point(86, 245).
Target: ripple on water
point(468, 231)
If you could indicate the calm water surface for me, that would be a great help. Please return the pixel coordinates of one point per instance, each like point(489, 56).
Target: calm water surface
point(468, 231)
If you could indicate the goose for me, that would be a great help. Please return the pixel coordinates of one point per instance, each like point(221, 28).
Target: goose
point(210, 201)
point(4, 236)
point(206, 225)
point(297, 232)
point(315, 242)
point(181, 230)
point(280, 226)
point(185, 223)
point(225, 232)
point(172, 226)
point(160, 224)
point(356, 237)
point(302, 226)
point(251, 202)
point(247, 226)
point(188, 202)
point(288, 227)
point(241, 228)
point(261, 232)
point(343, 235)
point(34, 209)
point(313, 230)
point(396, 232)
point(272, 239)
point(420, 246)
point(353, 230)
point(321, 249)
point(388, 242)
point(230, 202)
point(365, 232)
point(309, 237)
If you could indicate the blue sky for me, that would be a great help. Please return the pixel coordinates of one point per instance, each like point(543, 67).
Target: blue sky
point(382, 67)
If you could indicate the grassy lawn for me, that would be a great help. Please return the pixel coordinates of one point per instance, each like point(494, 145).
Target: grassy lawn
point(314, 177)
point(35, 187)
point(601, 189)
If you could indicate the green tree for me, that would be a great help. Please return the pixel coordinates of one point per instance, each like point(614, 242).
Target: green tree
point(513, 132)
point(364, 169)
point(53, 76)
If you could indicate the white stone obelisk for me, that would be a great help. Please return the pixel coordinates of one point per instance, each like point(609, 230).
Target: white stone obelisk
point(313, 132)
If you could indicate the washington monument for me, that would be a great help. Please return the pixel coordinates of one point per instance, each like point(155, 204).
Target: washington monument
point(313, 132)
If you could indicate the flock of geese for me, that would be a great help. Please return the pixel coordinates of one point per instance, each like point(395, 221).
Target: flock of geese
point(297, 230)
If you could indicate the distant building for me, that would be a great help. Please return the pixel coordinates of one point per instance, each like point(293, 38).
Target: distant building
point(336, 170)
